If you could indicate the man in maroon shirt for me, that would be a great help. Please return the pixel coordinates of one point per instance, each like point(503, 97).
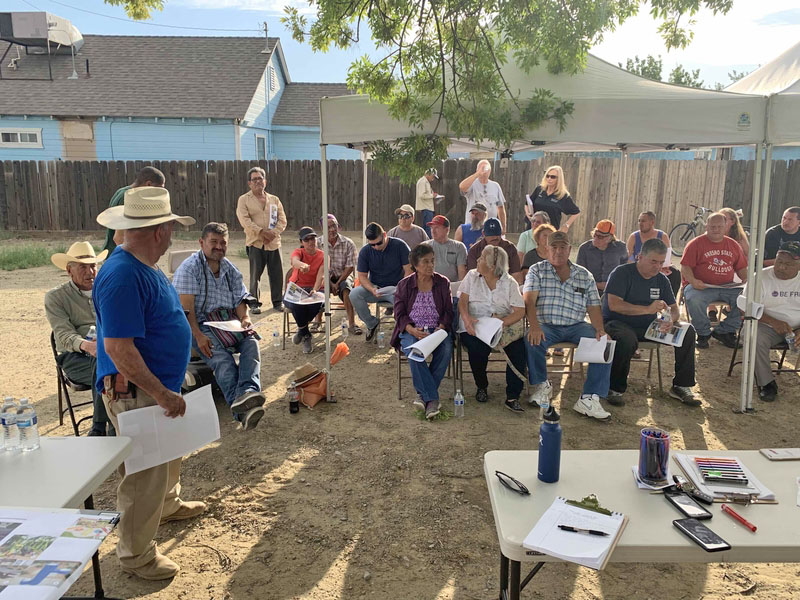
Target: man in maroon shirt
point(709, 266)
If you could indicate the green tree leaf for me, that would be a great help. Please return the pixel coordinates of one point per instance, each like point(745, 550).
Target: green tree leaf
point(138, 9)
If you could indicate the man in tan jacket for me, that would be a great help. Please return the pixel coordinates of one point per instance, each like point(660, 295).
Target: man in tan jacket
point(263, 220)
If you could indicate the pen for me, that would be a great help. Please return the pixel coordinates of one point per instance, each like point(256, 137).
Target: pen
point(579, 530)
point(727, 509)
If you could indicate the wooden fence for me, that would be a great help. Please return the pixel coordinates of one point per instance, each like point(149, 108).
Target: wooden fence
point(67, 196)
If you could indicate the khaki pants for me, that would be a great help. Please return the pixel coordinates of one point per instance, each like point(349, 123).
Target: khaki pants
point(143, 497)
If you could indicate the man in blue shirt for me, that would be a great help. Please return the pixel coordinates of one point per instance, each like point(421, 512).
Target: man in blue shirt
point(143, 343)
point(382, 262)
point(635, 295)
point(211, 288)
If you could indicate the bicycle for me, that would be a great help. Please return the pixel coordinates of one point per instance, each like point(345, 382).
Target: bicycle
point(683, 233)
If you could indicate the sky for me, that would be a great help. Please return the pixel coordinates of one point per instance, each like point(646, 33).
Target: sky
point(742, 40)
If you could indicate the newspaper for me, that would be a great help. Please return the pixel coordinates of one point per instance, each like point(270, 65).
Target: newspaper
point(673, 337)
point(297, 295)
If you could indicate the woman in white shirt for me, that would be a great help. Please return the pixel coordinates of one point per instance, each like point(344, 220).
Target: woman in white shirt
point(489, 291)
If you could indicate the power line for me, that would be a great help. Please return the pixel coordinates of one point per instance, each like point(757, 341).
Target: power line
point(31, 4)
point(97, 14)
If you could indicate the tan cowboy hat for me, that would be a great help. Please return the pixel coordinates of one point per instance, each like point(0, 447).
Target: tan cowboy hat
point(143, 207)
point(80, 252)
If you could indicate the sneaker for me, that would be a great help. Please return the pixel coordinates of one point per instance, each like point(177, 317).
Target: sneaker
point(684, 394)
point(702, 341)
point(728, 339)
point(247, 401)
point(768, 392)
point(277, 306)
point(255, 311)
point(96, 433)
point(157, 569)
point(431, 409)
point(389, 311)
point(186, 510)
point(712, 315)
point(371, 333)
point(297, 338)
point(614, 398)
point(542, 393)
point(252, 417)
point(307, 349)
point(482, 395)
point(512, 404)
point(418, 403)
point(589, 405)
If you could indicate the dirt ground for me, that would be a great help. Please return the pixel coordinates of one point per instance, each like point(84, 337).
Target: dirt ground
point(363, 499)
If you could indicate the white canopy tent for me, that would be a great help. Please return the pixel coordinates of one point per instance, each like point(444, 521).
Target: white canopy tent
point(613, 110)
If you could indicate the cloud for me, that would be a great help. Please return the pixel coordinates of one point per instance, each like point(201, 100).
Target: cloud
point(783, 17)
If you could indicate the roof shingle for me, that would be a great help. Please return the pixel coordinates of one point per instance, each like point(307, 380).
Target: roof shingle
point(299, 104)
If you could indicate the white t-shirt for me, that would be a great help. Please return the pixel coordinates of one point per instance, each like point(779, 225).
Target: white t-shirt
point(488, 193)
point(780, 297)
point(484, 302)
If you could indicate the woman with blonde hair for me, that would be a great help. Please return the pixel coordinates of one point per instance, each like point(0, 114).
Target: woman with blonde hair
point(734, 229)
point(552, 196)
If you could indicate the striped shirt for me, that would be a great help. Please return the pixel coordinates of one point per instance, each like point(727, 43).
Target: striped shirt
point(341, 256)
point(561, 303)
point(194, 278)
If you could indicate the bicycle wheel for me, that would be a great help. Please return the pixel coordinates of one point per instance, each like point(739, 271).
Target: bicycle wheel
point(680, 235)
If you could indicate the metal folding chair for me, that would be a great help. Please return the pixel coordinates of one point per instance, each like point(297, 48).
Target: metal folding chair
point(64, 385)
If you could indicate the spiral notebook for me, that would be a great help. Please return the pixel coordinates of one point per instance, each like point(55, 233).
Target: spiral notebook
point(584, 549)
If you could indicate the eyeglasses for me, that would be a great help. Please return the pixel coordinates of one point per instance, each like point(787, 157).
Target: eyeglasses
point(512, 484)
point(551, 176)
point(256, 179)
point(405, 216)
point(600, 235)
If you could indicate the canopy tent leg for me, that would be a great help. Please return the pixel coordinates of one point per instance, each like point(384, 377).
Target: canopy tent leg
point(326, 265)
point(622, 195)
point(364, 200)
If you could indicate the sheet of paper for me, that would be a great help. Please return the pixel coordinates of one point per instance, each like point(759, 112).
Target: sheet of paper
point(646, 486)
point(591, 350)
point(758, 309)
point(489, 330)
point(673, 337)
point(529, 202)
point(234, 325)
point(158, 439)
point(273, 216)
point(423, 348)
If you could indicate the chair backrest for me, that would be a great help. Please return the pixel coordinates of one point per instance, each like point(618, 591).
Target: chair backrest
point(176, 257)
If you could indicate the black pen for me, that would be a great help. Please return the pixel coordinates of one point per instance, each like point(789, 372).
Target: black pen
point(579, 530)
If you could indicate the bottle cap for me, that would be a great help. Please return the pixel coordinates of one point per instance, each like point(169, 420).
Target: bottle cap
point(551, 415)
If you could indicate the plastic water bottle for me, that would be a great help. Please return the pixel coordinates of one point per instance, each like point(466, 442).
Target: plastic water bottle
point(381, 340)
point(543, 408)
point(345, 330)
point(294, 399)
point(9, 422)
point(28, 426)
point(790, 337)
point(276, 338)
point(92, 333)
point(458, 404)
point(550, 447)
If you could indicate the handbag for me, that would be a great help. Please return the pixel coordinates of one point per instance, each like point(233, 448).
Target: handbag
point(511, 334)
point(312, 392)
point(227, 339)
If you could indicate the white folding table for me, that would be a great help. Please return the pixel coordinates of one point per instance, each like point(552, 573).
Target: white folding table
point(63, 473)
point(650, 535)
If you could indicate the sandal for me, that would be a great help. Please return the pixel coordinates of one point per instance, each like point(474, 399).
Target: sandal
point(558, 352)
point(355, 330)
point(314, 327)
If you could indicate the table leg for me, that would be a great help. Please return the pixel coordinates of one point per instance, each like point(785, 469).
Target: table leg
point(503, 576)
point(514, 583)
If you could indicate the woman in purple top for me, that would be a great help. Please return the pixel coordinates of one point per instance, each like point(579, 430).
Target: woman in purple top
point(423, 304)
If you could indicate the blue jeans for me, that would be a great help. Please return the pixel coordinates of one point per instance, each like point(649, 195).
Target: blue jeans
point(597, 375)
point(697, 302)
point(233, 380)
point(427, 215)
point(360, 298)
point(426, 378)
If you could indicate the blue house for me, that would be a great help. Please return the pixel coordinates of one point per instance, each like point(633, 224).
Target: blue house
point(157, 98)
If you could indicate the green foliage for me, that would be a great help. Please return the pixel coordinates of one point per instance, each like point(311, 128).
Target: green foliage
point(735, 75)
point(443, 62)
point(26, 255)
point(649, 67)
point(681, 76)
point(138, 9)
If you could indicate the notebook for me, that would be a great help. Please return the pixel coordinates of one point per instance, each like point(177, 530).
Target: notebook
point(590, 551)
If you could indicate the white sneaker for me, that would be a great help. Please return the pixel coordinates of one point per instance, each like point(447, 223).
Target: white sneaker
point(542, 393)
point(589, 405)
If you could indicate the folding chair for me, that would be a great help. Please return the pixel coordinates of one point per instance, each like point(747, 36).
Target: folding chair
point(653, 347)
point(497, 357)
point(568, 367)
point(782, 347)
point(287, 321)
point(64, 385)
point(451, 373)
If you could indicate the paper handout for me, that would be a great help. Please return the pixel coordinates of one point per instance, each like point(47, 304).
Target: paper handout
point(758, 309)
point(234, 325)
point(158, 439)
point(422, 349)
point(489, 330)
point(591, 350)
point(297, 295)
point(673, 337)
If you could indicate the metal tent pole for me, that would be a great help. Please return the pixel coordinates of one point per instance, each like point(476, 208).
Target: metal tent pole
point(624, 185)
point(325, 264)
point(364, 201)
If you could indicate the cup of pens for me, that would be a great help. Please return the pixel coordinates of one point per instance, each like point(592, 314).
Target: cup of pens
point(653, 456)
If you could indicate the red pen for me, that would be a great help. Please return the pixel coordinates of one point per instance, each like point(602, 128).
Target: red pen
point(727, 509)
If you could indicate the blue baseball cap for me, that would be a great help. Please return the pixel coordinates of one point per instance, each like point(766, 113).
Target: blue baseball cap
point(492, 227)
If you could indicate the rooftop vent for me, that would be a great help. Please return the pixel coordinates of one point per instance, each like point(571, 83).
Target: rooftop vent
point(38, 29)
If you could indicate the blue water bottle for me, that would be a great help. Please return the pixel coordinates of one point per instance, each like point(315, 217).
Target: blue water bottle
point(550, 447)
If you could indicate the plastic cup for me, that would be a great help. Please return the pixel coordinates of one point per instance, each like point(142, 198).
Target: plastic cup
point(653, 456)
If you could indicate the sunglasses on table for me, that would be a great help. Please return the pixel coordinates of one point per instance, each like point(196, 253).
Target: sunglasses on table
point(512, 484)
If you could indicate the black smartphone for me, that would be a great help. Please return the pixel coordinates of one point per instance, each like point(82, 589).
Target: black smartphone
point(686, 504)
point(701, 535)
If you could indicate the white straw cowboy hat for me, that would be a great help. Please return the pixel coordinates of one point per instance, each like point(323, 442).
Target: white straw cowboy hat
point(143, 207)
point(80, 252)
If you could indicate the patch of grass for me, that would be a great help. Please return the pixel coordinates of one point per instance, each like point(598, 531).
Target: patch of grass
point(444, 415)
point(29, 254)
point(242, 252)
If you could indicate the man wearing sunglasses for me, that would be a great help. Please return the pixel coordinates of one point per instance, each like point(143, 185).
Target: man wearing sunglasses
point(603, 253)
point(382, 262)
point(411, 234)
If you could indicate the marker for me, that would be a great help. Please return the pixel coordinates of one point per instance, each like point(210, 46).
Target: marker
point(579, 530)
point(727, 509)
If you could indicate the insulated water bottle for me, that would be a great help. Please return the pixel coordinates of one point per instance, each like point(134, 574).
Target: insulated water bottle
point(550, 447)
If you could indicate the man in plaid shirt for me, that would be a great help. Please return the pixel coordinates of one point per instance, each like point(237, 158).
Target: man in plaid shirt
point(342, 263)
point(558, 295)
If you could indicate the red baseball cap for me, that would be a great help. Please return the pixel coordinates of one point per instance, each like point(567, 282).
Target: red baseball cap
point(439, 220)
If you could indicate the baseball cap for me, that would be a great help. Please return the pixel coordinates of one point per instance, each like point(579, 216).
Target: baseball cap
point(492, 227)
point(558, 237)
point(330, 218)
point(439, 220)
point(306, 232)
point(478, 206)
point(433, 172)
point(605, 226)
point(406, 208)
point(792, 248)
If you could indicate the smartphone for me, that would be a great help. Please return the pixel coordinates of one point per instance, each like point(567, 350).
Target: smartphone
point(684, 503)
point(701, 535)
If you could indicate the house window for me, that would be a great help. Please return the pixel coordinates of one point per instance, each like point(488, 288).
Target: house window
point(261, 147)
point(12, 137)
